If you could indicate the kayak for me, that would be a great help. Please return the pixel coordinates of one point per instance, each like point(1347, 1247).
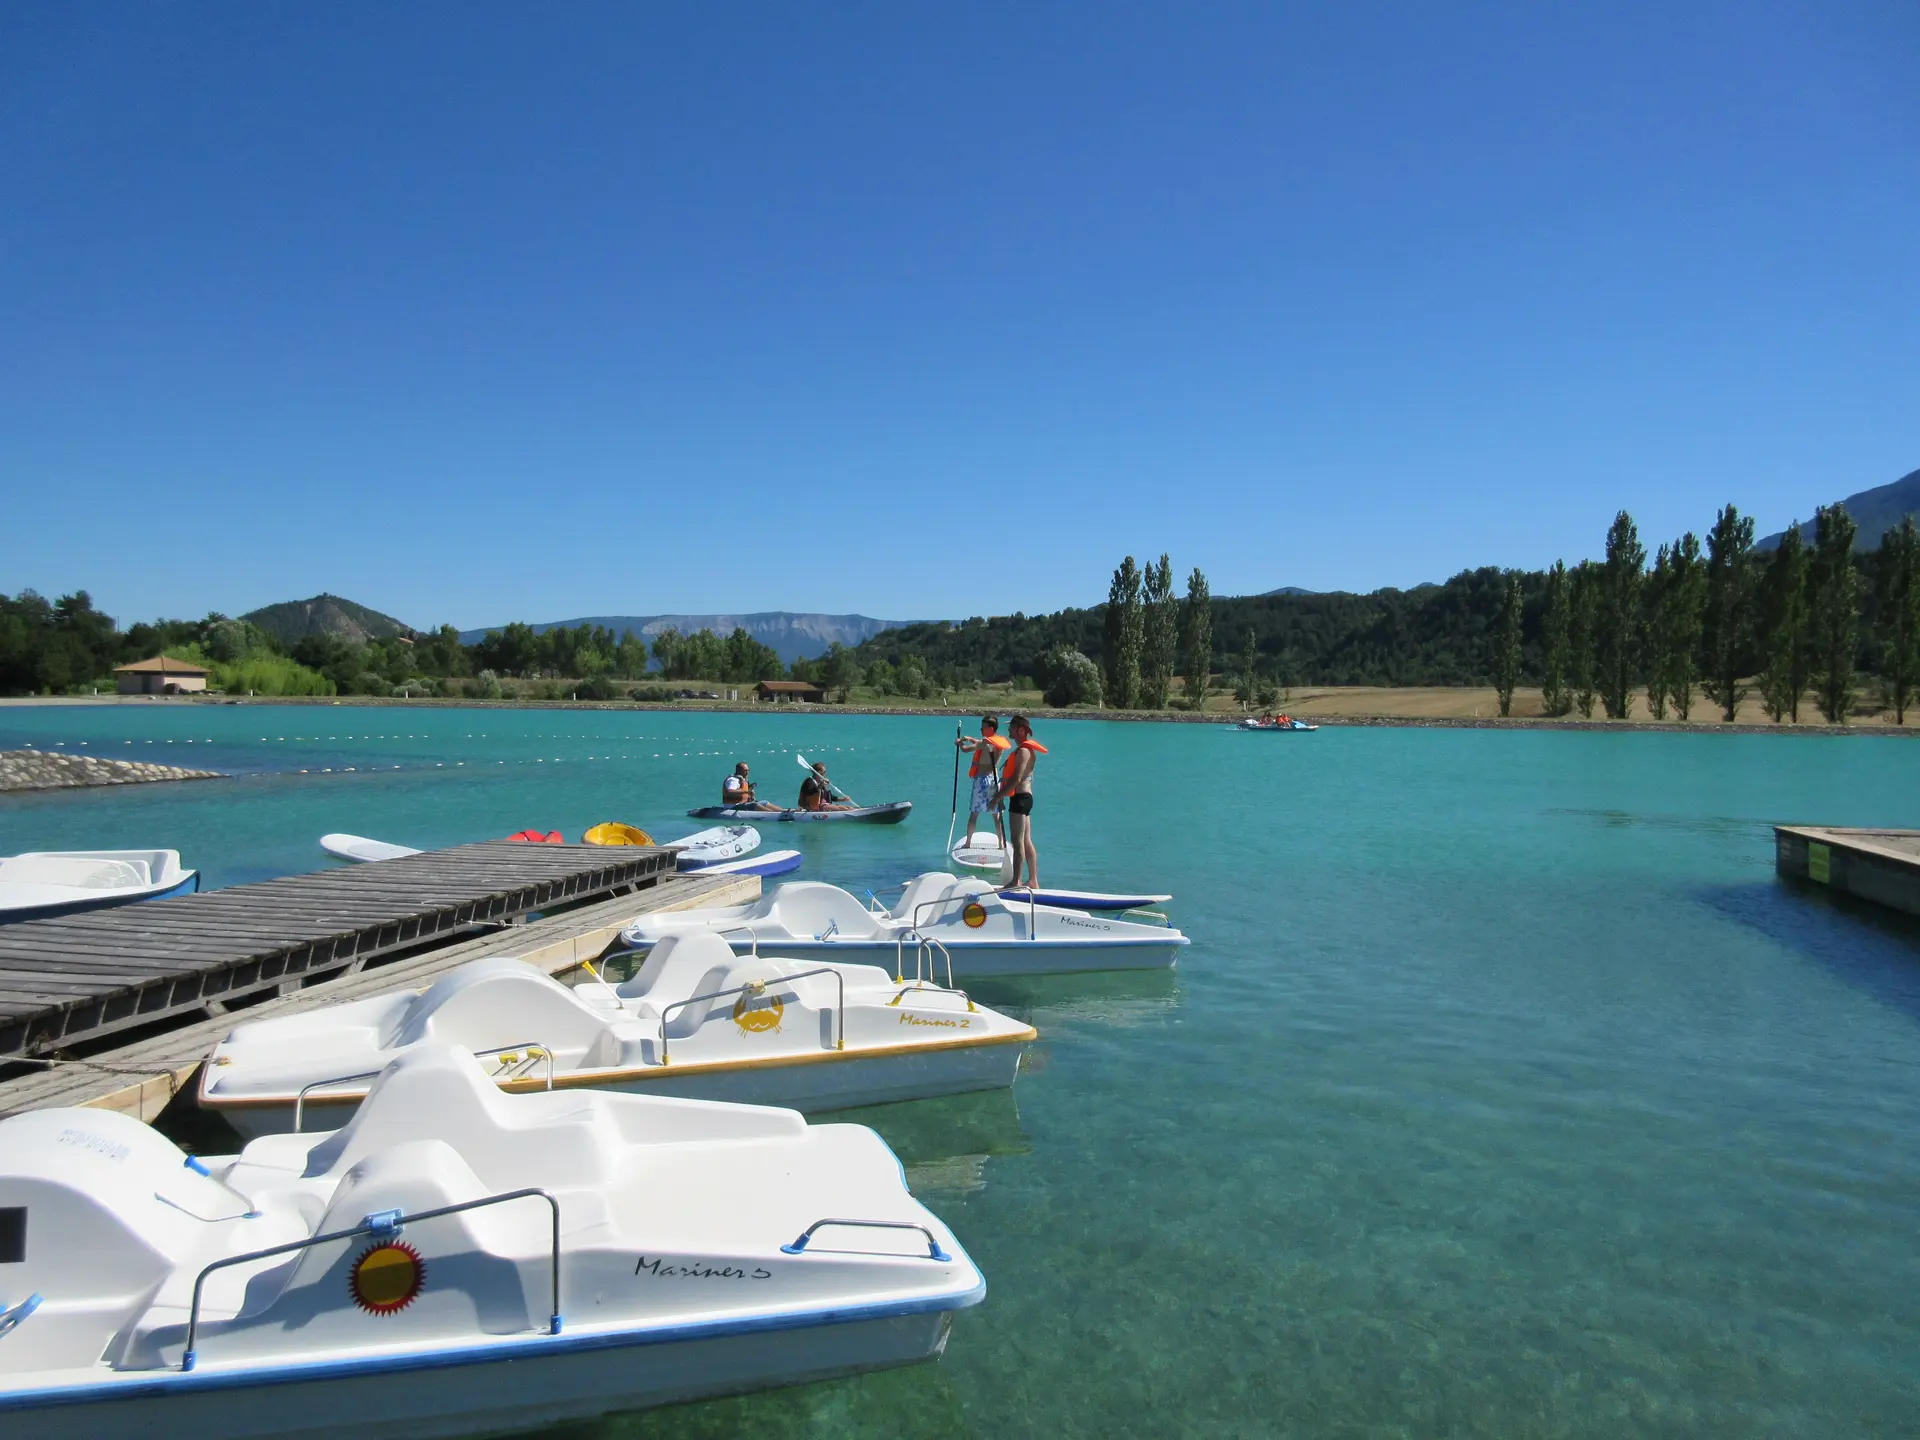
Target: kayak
point(770, 862)
point(360, 848)
point(1284, 726)
point(537, 837)
point(710, 847)
point(889, 814)
point(613, 832)
point(1081, 899)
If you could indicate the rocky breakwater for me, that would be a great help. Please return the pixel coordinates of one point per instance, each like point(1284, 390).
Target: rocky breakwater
point(50, 770)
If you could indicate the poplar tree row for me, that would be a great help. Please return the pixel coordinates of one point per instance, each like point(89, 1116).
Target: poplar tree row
point(1722, 622)
point(1150, 636)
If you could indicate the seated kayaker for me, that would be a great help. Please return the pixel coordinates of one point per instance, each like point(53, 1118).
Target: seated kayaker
point(736, 791)
point(816, 791)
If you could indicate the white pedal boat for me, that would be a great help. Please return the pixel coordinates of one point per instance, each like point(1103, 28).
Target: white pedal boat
point(697, 1021)
point(43, 883)
point(455, 1261)
point(943, 926)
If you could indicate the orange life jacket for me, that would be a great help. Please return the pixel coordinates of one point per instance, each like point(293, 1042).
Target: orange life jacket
point(1009, 772)
point(983, 755)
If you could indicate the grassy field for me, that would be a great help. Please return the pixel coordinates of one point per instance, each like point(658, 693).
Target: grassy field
point(1411, 705)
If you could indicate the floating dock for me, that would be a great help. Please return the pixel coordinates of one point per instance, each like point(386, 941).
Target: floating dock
point(1878, 865)
point(142, 1076)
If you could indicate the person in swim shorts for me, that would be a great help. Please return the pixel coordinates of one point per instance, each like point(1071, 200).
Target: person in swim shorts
point(1016, 786)
point(983, 772)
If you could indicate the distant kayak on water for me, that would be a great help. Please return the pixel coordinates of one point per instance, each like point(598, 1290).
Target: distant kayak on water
point(889, 814)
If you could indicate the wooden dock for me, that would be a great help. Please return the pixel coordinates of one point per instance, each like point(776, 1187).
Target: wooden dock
point(75, 979)
point(141, 1078)
point(1878, 865)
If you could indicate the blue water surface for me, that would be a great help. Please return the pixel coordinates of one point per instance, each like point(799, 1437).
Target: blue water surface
point(1504, 1090)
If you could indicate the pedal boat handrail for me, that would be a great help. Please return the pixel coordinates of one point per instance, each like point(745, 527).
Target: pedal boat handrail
point(384, 1224)
point(754, 988)
point(536, 1050)
point(934, 1252)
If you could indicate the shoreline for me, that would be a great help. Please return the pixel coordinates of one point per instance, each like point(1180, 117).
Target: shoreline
point(1225, 719)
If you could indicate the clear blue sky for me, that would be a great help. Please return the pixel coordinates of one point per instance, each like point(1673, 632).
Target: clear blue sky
point(482, 311)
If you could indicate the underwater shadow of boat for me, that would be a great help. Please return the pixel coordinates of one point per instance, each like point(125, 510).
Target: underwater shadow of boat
point(1873, 949)
point(1100, 997)
point(946, 1142)
point(912, 1402)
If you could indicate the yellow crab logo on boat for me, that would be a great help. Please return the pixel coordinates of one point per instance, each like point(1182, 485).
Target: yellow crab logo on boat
point(757, 1016)
point(387, 1277)
point(975, 914)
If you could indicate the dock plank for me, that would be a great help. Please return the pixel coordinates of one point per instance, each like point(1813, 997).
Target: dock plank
point(104, 970)
point(142, 1077)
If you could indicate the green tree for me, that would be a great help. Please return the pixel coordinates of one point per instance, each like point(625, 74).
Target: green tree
point(1196, 639)
point(1123, 637)
point(1557, 644)
point(1162, 627)
point(840, 670)
point(1584, 596)
point(1728, 621)
point(1658, 661)
point(1680, 617)
point(1621, 575)
point(1506, 654)
point(1833, 611)
point(1899, 581)
point(1247, 685)
point(1072, 679)
point(1783, 628)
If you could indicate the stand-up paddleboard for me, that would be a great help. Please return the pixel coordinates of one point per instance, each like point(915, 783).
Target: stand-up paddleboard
point(361, 849)
point(983, 852)
point(710, 847)
point(772, 862)
point(1082, 899)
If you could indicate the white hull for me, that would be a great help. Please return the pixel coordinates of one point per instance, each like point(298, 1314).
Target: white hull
point(532, 1385)
point(824, 1084)
point(983, 959)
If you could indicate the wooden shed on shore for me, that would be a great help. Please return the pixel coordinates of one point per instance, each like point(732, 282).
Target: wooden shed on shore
point(162, 675)
point(791, 691)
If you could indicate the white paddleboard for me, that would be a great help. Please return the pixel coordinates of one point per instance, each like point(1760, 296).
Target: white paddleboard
point(359, 847)
point(984, 853)
point(710, 847)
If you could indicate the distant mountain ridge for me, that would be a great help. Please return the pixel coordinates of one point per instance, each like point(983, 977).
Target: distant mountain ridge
point(791, 635)
point(292, 621)
point(1875, 511)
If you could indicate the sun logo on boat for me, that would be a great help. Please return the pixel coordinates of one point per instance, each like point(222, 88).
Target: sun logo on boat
point(387, 1277)
point(757, 1016)
point(975, 914)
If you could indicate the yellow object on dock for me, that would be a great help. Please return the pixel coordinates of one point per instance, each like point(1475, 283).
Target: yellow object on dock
point(612, 832)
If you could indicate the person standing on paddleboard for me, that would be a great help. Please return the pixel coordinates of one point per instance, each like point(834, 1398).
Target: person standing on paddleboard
point(1016, 787)
point(983, 773)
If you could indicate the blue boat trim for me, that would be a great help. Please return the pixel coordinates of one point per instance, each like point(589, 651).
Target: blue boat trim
point(528, 1346)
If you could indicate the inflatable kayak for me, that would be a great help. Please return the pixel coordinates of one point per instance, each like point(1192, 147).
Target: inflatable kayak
point(890, 814)
point(772, 862)
point(710, 847)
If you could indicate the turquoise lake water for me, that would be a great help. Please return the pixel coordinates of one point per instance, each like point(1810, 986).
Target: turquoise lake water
point(1503, 1091)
